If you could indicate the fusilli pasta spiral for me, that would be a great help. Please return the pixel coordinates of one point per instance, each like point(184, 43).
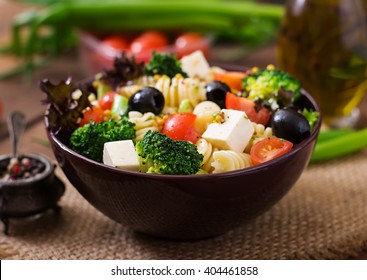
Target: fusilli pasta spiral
point(260, 132)
point(143, 123)
point(227, 160)
point(137, 84)
point(178, 88)
point(206, 149)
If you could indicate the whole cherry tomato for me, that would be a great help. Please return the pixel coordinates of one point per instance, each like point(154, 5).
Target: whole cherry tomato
point(116, 42)
point(189, 42)
point(149, 40)
point(94, 114)
point(109, 48)
point(179, 126)
point(106, 101)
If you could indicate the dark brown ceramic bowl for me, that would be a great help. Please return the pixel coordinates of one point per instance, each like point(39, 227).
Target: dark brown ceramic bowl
point(185, 207)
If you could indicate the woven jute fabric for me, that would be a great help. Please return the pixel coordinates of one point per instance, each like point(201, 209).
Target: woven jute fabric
point(324, 216)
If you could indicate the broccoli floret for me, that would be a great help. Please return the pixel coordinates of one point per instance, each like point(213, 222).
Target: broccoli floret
point(272, 86)
point(164, 64)
point(159, 154)
point(89, 139)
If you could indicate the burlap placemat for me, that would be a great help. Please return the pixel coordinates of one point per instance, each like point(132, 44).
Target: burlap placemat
point(323, 217)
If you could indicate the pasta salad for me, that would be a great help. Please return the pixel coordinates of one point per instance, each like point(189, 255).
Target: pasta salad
point(186, 117)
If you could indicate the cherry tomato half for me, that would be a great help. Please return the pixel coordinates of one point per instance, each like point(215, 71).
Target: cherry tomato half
point(148, 41)
point(269, 149)
point(106, 101)
point(232, 78)
point(179, 126)
point(189, 42)
point(248, 106)
point(94, 114)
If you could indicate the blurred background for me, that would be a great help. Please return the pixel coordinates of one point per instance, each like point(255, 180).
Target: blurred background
point(226, 31)
point(53, 39)
point(47, 38)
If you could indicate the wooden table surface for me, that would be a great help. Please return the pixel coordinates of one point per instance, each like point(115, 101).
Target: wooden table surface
point(20, 93)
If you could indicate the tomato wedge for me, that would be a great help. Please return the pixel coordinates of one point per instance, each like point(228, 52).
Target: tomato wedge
point(179, 126)
point(232, 78)
point(248, 106)
point(94, 114)
point(269, 149)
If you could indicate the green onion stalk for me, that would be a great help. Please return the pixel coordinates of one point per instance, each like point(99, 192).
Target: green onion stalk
point(338, 143)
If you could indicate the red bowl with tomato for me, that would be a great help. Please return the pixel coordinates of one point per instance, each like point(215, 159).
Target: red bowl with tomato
point(99, 51)
point(187, 207)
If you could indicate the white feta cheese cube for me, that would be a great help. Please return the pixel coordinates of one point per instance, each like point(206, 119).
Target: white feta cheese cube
point(233, 134)
point(121, 154)
point(195, 65)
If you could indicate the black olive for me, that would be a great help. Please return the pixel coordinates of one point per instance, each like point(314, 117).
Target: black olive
point(147, 99)
point(288, 124)
point(216, 91)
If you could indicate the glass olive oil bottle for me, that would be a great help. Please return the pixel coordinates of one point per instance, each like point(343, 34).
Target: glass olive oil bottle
point(324, 44)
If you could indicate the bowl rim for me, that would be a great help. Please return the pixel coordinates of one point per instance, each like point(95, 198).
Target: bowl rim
point(248, 170)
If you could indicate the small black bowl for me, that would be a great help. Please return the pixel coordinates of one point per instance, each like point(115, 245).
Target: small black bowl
point(27, 197)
